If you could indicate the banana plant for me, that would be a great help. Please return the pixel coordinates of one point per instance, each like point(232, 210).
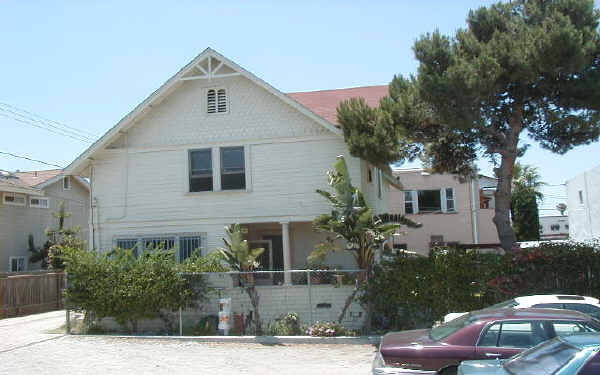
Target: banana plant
point(238, 255)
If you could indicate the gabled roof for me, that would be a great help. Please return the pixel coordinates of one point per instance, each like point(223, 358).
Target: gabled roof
point(35, 178)
point(31, 182)
point(325, 102)
point(195, 69)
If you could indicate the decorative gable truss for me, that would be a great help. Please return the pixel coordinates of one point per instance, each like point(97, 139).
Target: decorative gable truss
point(209, 68)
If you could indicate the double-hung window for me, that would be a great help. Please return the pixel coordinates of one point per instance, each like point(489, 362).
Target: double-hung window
point(17, 264)
point(162, 243)
point(184, 244)
point(233, 170)
point(201, 171)
point(66, 183)
point(434, 200)
point(39, 202)
point(14, 199)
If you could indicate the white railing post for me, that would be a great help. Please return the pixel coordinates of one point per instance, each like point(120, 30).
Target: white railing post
point(310, 307)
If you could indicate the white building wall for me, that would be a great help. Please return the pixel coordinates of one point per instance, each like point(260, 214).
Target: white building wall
point(554, 227)
point(584, 205)
point(141, 187)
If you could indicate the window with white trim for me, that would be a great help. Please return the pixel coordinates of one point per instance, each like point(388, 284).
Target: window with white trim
point(67, 183)
point(233, 169)
point(580, 194)
point(17, 264)
point(450, 207)
point(409, 204)
point(201, 170)
point(184, 244)
point(434, 200)
point(39, 202)
point(187, 246)
point(216, 101)
point(13, 199)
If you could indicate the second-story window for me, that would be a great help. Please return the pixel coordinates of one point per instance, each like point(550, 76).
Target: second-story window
point(201, 173)
point(424, 201)
point(67, 183)
point(409, 204)
point(216, 101)
point(449, 199)
point(233, 170)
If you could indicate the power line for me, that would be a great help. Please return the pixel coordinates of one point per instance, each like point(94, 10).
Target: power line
point(49, 121)
point(31, 120)
point(44, 128)
point(30, 159)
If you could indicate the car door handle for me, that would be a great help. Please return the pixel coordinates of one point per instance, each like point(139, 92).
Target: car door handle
point(493, 355)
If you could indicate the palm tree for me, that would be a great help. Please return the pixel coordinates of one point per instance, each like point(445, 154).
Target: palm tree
point(352, 221)
point(241, 258)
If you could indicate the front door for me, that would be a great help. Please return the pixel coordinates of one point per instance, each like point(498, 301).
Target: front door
point(277, 256)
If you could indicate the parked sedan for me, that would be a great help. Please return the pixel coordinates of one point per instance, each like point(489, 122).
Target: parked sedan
point(588, 305)
point(570, 355)
point(483, 334)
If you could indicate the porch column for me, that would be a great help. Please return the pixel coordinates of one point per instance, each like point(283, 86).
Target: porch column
point(287, 256)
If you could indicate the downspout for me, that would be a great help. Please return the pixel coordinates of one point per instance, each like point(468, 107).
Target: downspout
point(126, 193)
point(474, 211)
point(92, 206)
point(588, 207)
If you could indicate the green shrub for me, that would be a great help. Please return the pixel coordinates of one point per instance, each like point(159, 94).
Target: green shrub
point(129, 288)
point(414, 292)
point(286, 325)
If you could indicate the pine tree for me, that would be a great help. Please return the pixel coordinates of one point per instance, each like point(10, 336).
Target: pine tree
point(526, 67)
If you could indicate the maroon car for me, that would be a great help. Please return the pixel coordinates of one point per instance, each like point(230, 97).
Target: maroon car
point(484, 334)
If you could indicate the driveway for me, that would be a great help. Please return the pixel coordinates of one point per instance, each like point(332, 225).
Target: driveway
point(27, 349)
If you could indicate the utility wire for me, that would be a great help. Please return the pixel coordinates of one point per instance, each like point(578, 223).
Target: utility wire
point(30, 159)
point(44, 124)
point(49, 121)
point(44, 128)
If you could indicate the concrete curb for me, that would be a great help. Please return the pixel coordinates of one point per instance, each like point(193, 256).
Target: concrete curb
point(265, 340)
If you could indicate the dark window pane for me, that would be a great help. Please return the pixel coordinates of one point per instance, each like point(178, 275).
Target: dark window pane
point(584, 308)
point(232, 158)
point(233, 175)
point(201, 170)
point(408, 208)
point(201, 161)
point(187, 245)
point(201, 184)
point(165, 243)
point(429, 200)
point(233, 181)
point(548, 306)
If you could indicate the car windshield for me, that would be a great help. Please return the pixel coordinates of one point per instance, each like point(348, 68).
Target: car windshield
point(505, 304)
point(441, 332)
point(544, 359)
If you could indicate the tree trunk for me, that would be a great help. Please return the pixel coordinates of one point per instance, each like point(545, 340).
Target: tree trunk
point(254, 300)
point(505, 173)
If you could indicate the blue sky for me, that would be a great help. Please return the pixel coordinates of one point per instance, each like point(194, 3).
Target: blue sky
point(88, 63)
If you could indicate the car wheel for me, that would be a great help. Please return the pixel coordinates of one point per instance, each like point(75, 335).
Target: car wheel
point(449, 371)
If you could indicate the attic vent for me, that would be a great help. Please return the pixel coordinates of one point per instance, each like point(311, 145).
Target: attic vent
point(216, 101)
point(211, 101)
point(221, 101)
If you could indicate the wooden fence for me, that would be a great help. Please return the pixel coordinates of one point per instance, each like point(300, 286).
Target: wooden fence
point(30, 293)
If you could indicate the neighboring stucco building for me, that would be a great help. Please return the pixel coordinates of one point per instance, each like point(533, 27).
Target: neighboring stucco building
point(554, 227)
point(216, 145)
point(27, 203)
point(583, 204)
point(452, 212)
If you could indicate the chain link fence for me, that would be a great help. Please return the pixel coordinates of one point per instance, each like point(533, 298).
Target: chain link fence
point(297, 297)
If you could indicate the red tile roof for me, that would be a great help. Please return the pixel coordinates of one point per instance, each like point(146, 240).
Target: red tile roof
point(34, 178)
point(324, 103)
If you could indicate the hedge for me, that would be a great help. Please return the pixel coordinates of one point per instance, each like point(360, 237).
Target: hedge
point(414, 292)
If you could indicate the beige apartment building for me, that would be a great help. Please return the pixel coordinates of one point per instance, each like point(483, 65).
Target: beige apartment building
point(452, 212)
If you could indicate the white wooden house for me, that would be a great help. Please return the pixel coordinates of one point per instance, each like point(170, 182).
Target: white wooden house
point(216, 145)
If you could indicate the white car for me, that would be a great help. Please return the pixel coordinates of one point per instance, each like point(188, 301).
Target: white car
point(587, 305)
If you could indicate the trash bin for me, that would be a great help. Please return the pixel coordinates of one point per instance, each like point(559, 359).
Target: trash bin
point(224, 316)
